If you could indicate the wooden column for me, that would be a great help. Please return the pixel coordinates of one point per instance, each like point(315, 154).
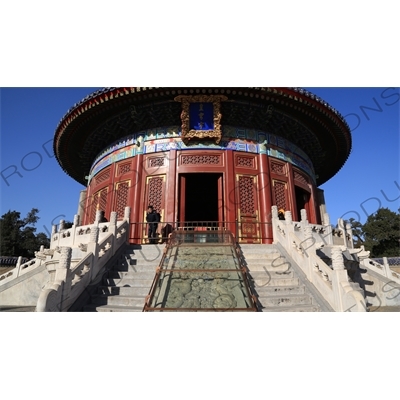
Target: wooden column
point(137, 202)
point(265, 195)
point(231, 202)
point(291, 191)
point(171, 189)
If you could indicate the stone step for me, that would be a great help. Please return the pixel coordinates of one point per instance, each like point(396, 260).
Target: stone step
point(300, 308)
point(272, 274)
point(265, 280)
point(261, 248)
point(134, 268)
point(285, 300)
point(279, 290)
point(126, 301)
point(261, 256)
point(111, 308)
point(118, 275)
point(126, 282)
point(279, 266)
point(125, 290)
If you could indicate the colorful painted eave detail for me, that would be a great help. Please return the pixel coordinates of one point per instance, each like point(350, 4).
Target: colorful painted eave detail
point(151, 142)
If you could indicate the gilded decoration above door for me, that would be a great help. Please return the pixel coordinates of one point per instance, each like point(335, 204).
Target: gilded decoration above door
point(201, 117)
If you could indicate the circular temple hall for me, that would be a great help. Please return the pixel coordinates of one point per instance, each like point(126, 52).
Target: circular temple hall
point(204, 158)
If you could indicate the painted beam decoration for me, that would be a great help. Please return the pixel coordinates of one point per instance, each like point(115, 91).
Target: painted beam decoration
point(201, 117)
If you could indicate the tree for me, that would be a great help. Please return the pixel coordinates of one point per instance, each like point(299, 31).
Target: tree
point(382, 233)
point(357, 230)
point(17, 236)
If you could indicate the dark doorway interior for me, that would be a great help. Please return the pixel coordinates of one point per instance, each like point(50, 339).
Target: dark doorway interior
point(201, 197)
point(302, 199)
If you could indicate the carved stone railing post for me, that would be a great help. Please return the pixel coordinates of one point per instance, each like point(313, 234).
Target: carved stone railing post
point(93, 246)
point(349, 236)
point(76, 220)
point(62, 225)
point(274, 220)
point(61, 279)
point(386, 268)
point(127, 214)
point(303, 215)
point(308, 247)
point(339, 276)
point(327, 238)
point(112, 228)
point(99, 216)
point(53, 241)
point(288, 217)
point(18, 266)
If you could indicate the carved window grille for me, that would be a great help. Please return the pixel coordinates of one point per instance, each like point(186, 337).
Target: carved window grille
point(245, 162)
point(155, 192)
point(246, 195)
point(103, 176)
point(93, 210)
point(278, 168)
point(156, 162)
point(99, 203)
point(124, 168)
point(300, 177)
point(192, 159)
point(121, 202)
point(280, 194)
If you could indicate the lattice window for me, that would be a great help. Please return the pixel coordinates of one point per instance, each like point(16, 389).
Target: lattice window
point(99, 203)
point(156, 162)
point(103, 200)
point(93, 209)
point(280, 195)
point(103, 176)
point(191, 159)
point(300, 177)
point(245, 162)
point(121, 202)
point(278, 168)
point(246, 195)
point(155, 193)
point(124, 168)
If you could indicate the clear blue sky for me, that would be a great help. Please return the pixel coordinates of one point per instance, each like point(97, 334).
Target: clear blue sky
point(31, 176)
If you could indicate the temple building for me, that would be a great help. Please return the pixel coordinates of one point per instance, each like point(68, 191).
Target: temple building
point(233, 175)
point(209, 157)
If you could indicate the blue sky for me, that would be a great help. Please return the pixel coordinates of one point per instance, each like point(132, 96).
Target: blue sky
point(31, 176)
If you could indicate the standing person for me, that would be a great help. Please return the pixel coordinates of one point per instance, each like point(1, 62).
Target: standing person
point(152, 219)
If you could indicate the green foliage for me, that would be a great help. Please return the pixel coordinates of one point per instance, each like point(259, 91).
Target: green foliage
point(380, 234)
point(18, 237)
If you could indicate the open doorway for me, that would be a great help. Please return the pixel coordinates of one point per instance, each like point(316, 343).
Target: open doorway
point(302, 201)
point(200, 197)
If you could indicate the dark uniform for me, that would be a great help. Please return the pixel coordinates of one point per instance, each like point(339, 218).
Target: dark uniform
point(152, 218)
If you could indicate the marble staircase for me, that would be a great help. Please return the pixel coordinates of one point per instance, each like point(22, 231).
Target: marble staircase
point(277, 283)
point(126, 285)
point(279, 286)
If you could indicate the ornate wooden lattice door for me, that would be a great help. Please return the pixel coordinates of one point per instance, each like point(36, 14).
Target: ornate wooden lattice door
point(155, 193)
point(249, 227)
point(99, 202)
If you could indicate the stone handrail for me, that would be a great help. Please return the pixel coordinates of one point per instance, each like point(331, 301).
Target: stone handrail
point(333, 283)
point(67, 281)
point(381, 269)
point(21, 269)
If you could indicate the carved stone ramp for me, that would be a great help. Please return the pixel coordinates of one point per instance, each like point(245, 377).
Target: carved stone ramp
point(126, 285)
point(277, 283)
